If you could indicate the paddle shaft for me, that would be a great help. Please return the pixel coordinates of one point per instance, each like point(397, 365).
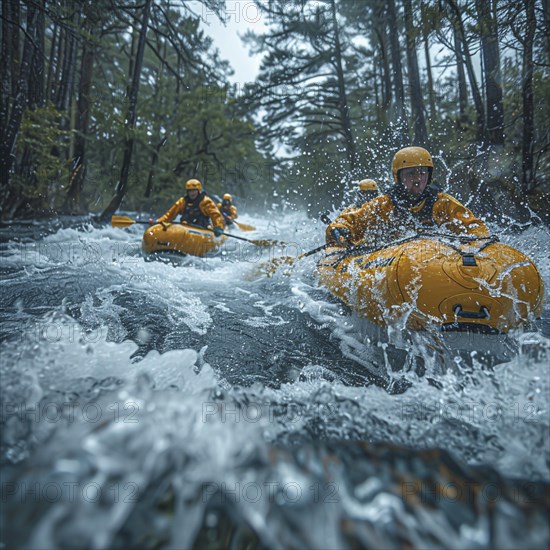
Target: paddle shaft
point(222, 233)
point(325, 219)
point(314, 251)
point(124, 221)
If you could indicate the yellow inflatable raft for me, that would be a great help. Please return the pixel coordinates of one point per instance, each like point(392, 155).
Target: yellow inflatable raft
point(456, 283)
point(184, 239)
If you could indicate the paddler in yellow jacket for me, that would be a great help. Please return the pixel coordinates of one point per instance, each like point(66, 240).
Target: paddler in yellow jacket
point(195, 209)
point(366, 191)
point(228, 209)
point(412, 204)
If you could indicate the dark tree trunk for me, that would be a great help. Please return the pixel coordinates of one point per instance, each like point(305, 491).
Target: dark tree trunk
point(9, 67)
point(25, 166)
point(429, 73)
point(154, 160)
point(417, 103)
point(59, 57)
point(464, 52)
point(528, 177)
point(64, 81)
point(546, 16)
point(463, 119)
point(378, 85)
point(397, 73)
point(73, 199)
point(157, 124)
point(10, 131)
point(15, 48)
point(68, 72)
point(36, 80)
point(6, 72)
point(131, 115)
point(343, 106)
point(379, 25)
point(493, 80)
point(51, 63)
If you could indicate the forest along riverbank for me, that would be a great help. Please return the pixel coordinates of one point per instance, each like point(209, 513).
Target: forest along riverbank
point(186, 402)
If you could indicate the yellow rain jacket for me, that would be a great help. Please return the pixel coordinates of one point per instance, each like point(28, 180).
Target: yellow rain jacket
point(197, 212)
point(229, 212)
point(381, 220)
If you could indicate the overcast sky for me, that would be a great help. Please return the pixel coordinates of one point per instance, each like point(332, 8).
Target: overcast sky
point(240, 15)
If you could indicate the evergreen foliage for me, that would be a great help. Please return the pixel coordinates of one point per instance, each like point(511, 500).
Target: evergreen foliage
point(336, 94)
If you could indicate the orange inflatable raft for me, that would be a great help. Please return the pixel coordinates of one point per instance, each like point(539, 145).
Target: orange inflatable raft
point(456, 283)
point(184, 239)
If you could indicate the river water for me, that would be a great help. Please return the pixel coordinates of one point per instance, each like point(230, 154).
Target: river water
point(200, 402)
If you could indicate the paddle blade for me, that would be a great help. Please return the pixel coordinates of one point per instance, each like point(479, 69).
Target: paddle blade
point(287, 262)
point(244, 226)
point(122, 221)
point(271, 267)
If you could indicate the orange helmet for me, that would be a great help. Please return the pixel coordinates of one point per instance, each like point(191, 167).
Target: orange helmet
point(227, 197)
point(193, 184)
point(410, 157)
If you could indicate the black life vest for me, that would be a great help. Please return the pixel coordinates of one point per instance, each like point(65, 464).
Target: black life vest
point(192, 213)
point(226, 208)
point(403, 202)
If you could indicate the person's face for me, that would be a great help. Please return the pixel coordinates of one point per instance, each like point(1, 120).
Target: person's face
point(193, 194)
point(415, 179)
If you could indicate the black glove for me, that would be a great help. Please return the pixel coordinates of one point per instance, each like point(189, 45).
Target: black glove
point(341, 235)
point(218, 231)
point(324, 217)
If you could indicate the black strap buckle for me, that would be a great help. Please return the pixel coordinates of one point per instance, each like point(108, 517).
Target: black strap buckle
point(469, 260)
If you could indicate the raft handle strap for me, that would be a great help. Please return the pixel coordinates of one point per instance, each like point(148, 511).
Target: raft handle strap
point(366, 249)
point(483, 313)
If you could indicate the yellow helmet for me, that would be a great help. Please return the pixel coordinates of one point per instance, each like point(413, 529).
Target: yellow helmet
point(368, 185)
point(410, 157)
point(227, 197)
point(193, 184)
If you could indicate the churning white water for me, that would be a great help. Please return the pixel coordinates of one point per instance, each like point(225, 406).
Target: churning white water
point(145, 402)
